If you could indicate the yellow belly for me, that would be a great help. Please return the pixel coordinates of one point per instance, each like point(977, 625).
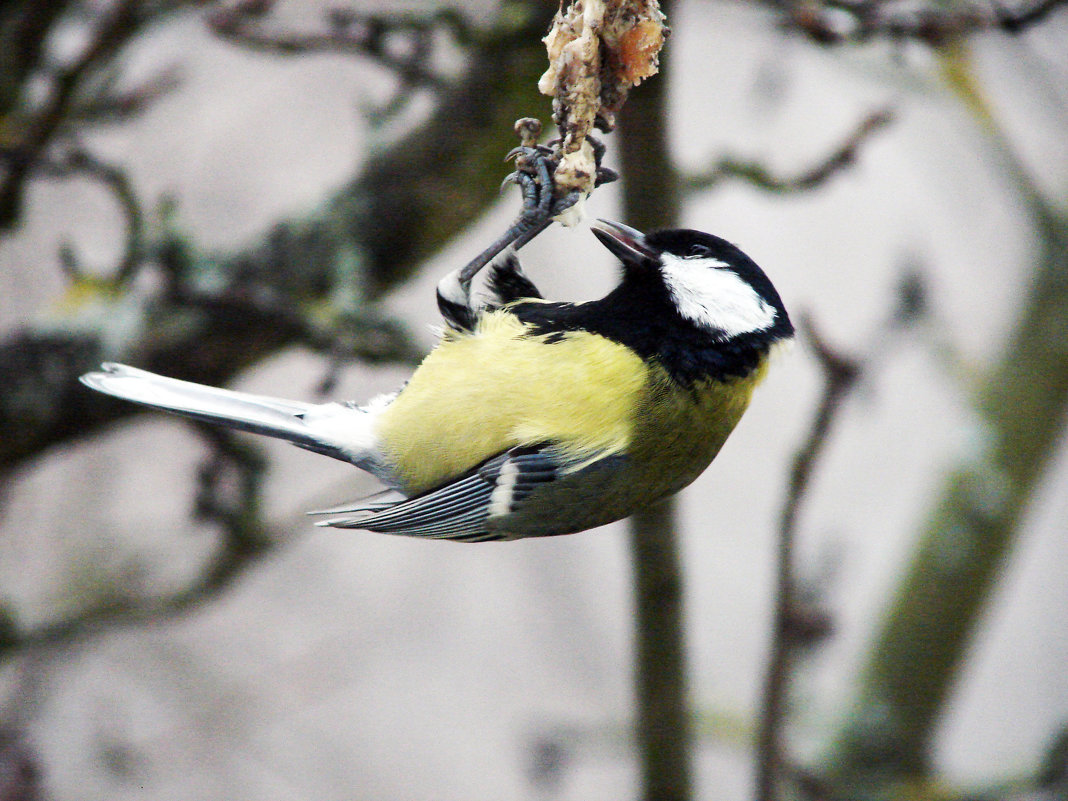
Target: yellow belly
point(478, 394)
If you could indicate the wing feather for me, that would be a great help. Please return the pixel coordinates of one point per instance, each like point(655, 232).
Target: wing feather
point(462, 509)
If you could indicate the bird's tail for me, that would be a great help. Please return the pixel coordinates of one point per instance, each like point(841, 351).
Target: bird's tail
point(336, 430)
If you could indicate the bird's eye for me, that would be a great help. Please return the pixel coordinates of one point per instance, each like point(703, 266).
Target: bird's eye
point(699, 252)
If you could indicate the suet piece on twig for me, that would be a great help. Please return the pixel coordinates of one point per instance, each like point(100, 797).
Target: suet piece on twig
point(598, 51)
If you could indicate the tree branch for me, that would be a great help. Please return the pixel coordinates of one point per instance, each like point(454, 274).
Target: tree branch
point(116, 28)
point(81, 163)
point(840, 374)
point(843, 157)
point(229, 495)
point(1023, 402)
point(796, 621)
point(834, 22)
point(353, 34)
point(236, 308)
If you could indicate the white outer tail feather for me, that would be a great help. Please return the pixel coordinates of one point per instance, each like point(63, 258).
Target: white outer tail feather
point(344, 432)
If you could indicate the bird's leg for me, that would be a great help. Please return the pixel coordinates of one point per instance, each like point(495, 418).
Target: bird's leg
point(534, 174)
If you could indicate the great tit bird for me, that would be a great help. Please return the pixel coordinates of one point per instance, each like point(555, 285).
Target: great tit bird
point(533, 418)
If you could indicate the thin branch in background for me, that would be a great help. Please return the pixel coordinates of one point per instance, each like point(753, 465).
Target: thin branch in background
point(1020, 19)
point(21, 775)
point(112, 105)
point(840, 374)
point(81, 163)
point(757, 174)
point(78, 96)
point(229, 483)
point(229, 496)
point(834, 22)
point(402, 42)
point(276, 299)
point(799, 621)
point(115, 29)
point(363, 338)
point(111, 614)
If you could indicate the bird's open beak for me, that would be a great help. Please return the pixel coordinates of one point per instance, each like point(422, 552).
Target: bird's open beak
point(625, 242)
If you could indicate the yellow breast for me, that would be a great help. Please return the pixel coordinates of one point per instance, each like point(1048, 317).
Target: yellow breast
point(477, 394)
point(683, 428)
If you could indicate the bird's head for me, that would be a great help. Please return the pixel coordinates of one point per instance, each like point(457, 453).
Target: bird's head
point(711, 284)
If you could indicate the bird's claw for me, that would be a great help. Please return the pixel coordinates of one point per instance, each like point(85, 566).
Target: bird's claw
point(535, 165)
point(605, 176)
point(529, 152)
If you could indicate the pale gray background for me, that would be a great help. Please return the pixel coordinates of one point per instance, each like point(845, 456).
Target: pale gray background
point(353, 665)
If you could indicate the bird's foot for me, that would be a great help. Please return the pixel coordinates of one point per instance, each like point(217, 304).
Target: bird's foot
point(534, 176)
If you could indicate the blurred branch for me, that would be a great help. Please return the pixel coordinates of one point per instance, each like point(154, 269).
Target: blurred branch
point(118, 105)
point(24, 29)
point(116, 26)
point(233, 309)
point(844, 156)
point(798, 621)
point(81, 163)
point(29, 130)
point(402, 42)
point(918, 649)
point(350, 33)
point(1020, 406)
point(840, 374)
point(1018, 20)
point(77, 94)
point(230, 495)
point(664, 733)
point(21, 774)
point(832, 22)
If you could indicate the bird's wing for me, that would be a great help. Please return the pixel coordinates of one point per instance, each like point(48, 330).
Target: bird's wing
point(506, 283)
point(463, 509)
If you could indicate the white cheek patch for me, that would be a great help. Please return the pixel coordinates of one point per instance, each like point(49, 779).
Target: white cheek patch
point(709, 294)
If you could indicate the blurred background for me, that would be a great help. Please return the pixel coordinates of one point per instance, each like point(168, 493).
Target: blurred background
point(264, 195)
